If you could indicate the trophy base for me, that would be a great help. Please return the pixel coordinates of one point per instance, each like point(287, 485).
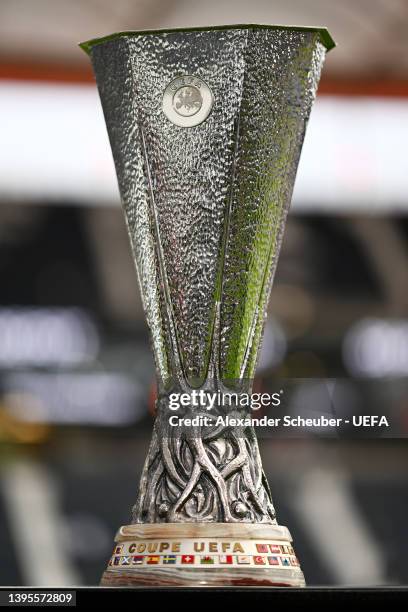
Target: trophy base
point(203, 554)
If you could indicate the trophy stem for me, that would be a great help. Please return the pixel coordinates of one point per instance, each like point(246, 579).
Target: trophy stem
point(202, 474)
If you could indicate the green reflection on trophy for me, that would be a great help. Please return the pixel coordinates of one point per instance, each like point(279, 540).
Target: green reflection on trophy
point(206, 128)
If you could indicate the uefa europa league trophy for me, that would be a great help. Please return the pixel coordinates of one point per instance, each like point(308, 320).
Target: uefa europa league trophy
point(206, 127)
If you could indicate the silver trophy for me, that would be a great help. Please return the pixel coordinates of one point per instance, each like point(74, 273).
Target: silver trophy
point(206, 127)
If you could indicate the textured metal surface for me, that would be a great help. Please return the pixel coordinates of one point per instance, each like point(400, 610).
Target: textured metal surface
point(205, 208)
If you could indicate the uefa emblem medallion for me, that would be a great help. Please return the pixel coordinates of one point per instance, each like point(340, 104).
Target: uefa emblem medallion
point(187, 101)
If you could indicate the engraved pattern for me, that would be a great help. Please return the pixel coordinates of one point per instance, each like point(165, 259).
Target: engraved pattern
point(205, 209)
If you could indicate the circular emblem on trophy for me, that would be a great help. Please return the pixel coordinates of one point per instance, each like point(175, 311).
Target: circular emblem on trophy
point(187, 101)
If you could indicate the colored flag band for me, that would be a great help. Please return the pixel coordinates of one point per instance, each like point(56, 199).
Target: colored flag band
point(279, 549)
point(183, 560)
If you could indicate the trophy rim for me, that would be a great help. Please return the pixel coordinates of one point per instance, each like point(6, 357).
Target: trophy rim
point(324, 33)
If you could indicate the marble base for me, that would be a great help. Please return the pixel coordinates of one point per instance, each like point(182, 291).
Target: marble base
point(203, 554)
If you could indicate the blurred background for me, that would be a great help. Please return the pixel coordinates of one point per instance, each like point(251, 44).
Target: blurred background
point(76, 371)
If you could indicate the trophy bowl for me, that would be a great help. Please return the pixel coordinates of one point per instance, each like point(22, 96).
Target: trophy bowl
point(206, 127)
